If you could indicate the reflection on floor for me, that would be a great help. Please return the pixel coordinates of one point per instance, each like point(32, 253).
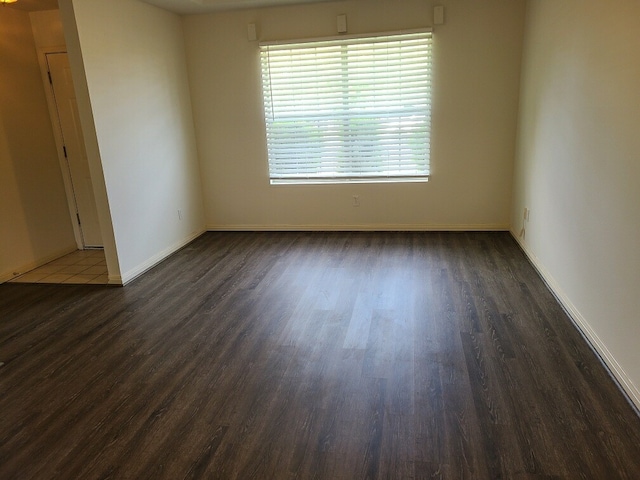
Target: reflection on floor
point(81, 266)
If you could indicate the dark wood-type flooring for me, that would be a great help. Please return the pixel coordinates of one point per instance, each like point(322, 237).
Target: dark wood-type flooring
point(310, 355)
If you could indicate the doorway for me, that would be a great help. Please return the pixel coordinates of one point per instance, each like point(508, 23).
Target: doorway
point(74, 161)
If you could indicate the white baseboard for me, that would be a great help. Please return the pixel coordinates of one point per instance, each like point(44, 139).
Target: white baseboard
point(362, 228)
point(600, 348)
point(151, 262)
point(27, 267)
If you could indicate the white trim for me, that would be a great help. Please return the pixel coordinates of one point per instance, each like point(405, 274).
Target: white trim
point(135, 272)
point(27, 267)
point(345, 180)
point(481, 227)
point(583, 326)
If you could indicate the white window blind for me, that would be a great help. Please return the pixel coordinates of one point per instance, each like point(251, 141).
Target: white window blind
point(349, 108)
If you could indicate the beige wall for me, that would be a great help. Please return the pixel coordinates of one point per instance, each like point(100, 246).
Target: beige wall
point(578, 167)
point(129, 57)
point(476, 83)
point(35, 226)
point(47, 28)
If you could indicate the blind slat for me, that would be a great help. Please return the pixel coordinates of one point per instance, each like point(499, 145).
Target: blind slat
point(354, 108)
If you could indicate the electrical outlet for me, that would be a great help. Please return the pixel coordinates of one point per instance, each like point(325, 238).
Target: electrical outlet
point(356, 201)
point(179, 214)
point(526, 214)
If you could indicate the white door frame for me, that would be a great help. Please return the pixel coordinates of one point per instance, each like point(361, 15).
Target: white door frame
point(57, 134)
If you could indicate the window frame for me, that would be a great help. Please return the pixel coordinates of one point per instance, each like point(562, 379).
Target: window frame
point(371, 169)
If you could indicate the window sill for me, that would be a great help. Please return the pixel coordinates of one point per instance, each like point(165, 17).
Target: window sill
point(338, 181)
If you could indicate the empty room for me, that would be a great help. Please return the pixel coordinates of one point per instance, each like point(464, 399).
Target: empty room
point(319, 239)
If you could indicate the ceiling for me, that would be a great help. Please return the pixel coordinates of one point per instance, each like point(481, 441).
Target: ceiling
point(185, 7)
point(33, 5)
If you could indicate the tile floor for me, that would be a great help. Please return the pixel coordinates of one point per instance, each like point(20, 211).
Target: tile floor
point(81, 266)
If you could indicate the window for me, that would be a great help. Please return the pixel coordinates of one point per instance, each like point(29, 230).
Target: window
point(348, 109)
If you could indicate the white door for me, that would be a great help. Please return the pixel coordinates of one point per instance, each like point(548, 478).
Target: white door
point(75, 153)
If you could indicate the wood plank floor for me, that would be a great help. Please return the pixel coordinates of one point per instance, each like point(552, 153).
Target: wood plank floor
point(310, 355)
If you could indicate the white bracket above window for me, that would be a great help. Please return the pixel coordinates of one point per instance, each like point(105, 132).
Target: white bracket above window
point(342, 24)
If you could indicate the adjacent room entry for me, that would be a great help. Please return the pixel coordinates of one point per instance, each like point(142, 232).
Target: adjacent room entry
point(80, 193)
